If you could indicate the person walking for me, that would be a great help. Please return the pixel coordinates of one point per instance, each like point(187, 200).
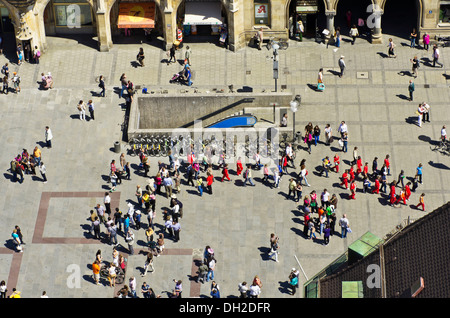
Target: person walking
point(48, 137)
point(421, 202)
point(411, 89)
point(341, 63)
point(274, 246)
point(436, 55)
point(209, 182)
point(426, 112)
point(344, 224)
point(320, 84)
point(354, 33)
point(293, 282)
point(338, 37)
point(82, 110)
point(172, 55)
point(148, 264)
point(101, 84)
point(415, 65)
point(43, 172)
point(391, 47)
point(345, 143)
point(248, 177)
point(90, 106)
point(96, 271)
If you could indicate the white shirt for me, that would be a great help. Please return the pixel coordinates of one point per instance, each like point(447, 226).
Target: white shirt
point(342, 128)
point(289, 151)
point(304, 172)
point(107, 199)
point(325, 196)
point(255, 290)
point(48, 134)
point(328, 130)
point(343, 222)
point(443, 133)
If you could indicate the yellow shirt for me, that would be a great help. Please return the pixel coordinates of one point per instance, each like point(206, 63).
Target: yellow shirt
point(37, 153)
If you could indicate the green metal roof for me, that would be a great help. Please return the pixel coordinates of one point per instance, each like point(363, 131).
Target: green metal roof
point(352, 289)
point(366, 244)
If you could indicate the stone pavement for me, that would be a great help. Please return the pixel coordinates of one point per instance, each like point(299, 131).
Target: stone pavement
point(235, 221)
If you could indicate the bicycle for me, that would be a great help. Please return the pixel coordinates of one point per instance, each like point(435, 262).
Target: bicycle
point(282, 43)
point(443, 147)
point(120, 275)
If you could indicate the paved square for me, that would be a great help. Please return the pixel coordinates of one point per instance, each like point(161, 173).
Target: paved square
point(236, 221)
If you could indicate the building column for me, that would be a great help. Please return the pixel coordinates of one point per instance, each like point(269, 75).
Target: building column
point(233, 27)
point(103, 31)
point(170, 27)
point(330, 22)
point(377, 35)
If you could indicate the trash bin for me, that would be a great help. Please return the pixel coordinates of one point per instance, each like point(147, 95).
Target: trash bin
point(116, 147)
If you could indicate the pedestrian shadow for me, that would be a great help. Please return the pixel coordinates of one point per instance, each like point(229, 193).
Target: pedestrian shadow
point(284, 287)
point(297, 231)
point(135, 64)
point(383, 201)
point(426, 61)
point(75, 116)
point(9, 244)
point(401, 96)
point(95, 94)
point(446, 76)
point(334, 72)
point(193, 192)
point(429, 140)
point(9, 177)
point(411, 120)
point(264, 253)
point(405, 73)
point(438, 165)
point(313, 87)
point(142, 243)
point(383, 55)
point(405, 44)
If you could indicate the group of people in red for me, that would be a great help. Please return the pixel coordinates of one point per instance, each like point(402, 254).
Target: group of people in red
point(379, 177)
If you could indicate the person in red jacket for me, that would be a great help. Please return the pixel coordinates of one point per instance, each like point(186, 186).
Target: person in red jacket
point(239, 167)
point(388, 165)
point(352, 174)
point(345, 179)
point(407, 191)
point(376, 188)
point(421, 202)
point(337, 161)
point(359, 166)
point(209, 182)
point(225, 174)
point(366, 170)
point(353, 190)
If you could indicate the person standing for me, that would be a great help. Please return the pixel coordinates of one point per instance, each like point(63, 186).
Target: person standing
point(48, 137)
point(426, 41)
point(345, 142)
point(326, 235)
point(124, 83)
point(426, 112)
point(96, 271)
point(411, 89)
point(341, 63)
point(101, 84)
point(211, 268)
point(82, 110)
point(293, 282)
point(176, 227)
point(130, 241)
point(436, 56)
point(419, 173)
point(413, 37)
point(260, 37)
point(168, 183)
point(187, 55)
point(209, 182)
point(344, 224)
point(43, 172)
point(16, 82)
point(338, 37)
point(140, 56)
point(90, 106)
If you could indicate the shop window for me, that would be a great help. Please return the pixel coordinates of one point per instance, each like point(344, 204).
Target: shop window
point(262, 12)
point(444, 12)
point(72, 14)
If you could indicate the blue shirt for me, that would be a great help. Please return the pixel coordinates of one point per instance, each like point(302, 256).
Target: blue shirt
point(419, 170)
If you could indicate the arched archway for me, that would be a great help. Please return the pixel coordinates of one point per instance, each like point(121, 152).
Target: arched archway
point(310, 12)
point(400, 17)
point(349, 12)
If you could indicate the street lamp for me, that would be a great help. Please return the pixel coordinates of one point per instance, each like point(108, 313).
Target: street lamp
point(294, 107)
point(275, 63)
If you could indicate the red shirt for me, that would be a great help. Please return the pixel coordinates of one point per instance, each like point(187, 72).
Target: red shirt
point(209, 179)
point(386, 162)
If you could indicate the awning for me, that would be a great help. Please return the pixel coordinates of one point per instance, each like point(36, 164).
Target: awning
point(202, 13)
point(136, 15)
